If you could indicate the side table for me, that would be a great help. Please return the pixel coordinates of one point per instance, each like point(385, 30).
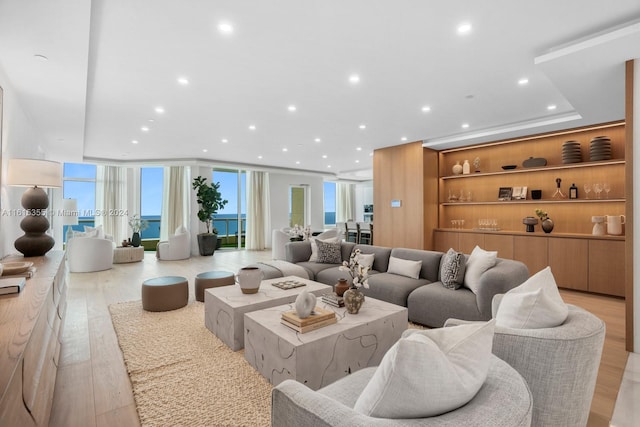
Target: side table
point(123, 255)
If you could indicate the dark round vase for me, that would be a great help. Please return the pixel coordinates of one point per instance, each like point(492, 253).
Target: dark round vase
point(135, 240)
point(341, 287)
point(353, 300)
point(547, 225)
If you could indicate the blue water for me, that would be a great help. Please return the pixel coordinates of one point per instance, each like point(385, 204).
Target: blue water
point(329, 217)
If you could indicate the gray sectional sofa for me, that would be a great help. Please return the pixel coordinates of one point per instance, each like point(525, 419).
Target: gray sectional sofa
point(427, 300)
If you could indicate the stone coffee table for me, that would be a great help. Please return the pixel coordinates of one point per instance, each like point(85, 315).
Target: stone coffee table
point(322, 356)
point(224, 307)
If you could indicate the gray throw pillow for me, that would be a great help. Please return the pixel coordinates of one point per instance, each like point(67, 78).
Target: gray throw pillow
point(329, 253)
point(452, 269)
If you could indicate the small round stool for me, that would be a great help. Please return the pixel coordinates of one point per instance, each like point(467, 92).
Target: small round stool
point(212, 279)
point(165, 293)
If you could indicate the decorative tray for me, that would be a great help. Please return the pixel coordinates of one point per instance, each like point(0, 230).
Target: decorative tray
point(9, 268)
point(288, 284)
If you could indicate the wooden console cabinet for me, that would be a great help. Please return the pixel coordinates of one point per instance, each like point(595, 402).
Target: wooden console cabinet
point(30, 337)
point(578, 259)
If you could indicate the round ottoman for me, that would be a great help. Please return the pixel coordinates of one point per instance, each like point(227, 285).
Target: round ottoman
point(212, 279)
point(165, 293)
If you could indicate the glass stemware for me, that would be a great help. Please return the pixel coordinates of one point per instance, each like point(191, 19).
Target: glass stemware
point(606, 188)
point(597, 188)
point(587, 189)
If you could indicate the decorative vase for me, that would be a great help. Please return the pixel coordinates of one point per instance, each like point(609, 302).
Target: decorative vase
point(466, 168)
point(135, 240)
point(530, 222)
point(249, 279)
point(353, 300)
point(341, 287)
point(305, 303)
point(457, 168)
point(547, 225)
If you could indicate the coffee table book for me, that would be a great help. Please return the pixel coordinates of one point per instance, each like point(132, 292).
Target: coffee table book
point(11, 285)
point(319, 318)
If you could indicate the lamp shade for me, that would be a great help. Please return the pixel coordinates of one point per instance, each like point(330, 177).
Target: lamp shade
point(34, 173)
point(70, 212)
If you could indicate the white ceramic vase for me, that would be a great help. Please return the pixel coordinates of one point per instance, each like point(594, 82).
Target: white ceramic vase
point(249, 279)
point(466, 168)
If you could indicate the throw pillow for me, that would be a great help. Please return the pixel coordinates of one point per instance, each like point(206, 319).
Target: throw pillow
point(452, 269)
point(534, 304)
point(314, 246)
point(99, 232)
point(428, 373)
point(479, 261)
point(404, 267)
point(329, 253)
point(366, 260)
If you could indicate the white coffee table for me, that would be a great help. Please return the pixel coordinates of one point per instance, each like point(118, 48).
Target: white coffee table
point(322, 356)
point(224, 307)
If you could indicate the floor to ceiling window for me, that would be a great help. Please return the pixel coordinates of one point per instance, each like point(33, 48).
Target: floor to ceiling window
point(329, 203)
point(230, 221)
point(79, 182)
point(151, 181)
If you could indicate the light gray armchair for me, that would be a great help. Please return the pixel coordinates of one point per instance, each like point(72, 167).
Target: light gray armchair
point(559, 364)
point(503, 400)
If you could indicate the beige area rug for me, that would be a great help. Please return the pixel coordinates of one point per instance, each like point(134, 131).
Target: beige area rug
point(183, 375)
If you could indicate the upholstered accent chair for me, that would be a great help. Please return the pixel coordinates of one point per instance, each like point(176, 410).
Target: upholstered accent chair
point(559, 364)
point(88, 254)
point(279, 238)
point(177, 247)
point(503, 400)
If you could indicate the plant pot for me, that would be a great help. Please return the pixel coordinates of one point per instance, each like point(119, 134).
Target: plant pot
point(218, 243)
point(207, 243)
point(547, 225)
point(353, 300)
point(135, 240)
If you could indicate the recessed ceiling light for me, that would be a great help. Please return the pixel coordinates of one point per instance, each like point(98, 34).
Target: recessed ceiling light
point(144, 129)
point(465, 125)
point(225, 140)
point(225, 28)
point(329, 166)
point(292, 108)
point(523, 81)
point(357, 161)
point(426, 109)
point(404, 138)
point(151, 120)
point(41, 58)
point(183, 81)
point(358, 148)
point(324, 156)
point(260, 156)
point(317, 140)
point(354, 78)
point(135, 141)
point(159, 109)
point(204, 150)
point(371, 153)
point(363, 126)
point(297, 162)
point(464, 28)
point(252, 127)
point(551, 107)
point(285, 149)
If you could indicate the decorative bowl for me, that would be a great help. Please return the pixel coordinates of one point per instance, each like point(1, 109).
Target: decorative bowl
point(508, 167)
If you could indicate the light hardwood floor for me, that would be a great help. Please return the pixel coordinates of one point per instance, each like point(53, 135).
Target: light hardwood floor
point(93, 388)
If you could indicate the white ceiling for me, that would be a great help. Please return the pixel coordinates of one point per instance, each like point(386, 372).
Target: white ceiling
point(111, 62)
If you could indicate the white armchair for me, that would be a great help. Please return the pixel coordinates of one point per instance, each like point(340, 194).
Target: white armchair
point(177, 247)
point(87, 254)
point(278, 239)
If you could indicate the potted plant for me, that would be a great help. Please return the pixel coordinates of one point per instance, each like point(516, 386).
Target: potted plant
point(210, 201)
point(137, 225)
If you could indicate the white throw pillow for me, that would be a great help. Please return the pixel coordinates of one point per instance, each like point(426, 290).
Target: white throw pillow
point(366, 260)
point(478, 262)
point(429, 373)
point(404, 267)
point(97, 232)
point(314, 246)
point(534, 304)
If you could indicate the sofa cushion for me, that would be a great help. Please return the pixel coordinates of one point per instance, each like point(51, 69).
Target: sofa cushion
point(329, 253)
point(534, 304)
point(314, 268)
point(478, 262)
point(314, 246)
point(366, 260)
point(330, 276)
point(452, 269)
point(430, 261)
point(428, 373)
point(433, 304)
point(391, 287)
point(381, 260)
point(97, 232)
point(404, 267)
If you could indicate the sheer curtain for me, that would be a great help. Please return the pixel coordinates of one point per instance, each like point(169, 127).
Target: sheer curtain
point(257, 210)
point(345, 202)
point(175, 203)
point(111, 201)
